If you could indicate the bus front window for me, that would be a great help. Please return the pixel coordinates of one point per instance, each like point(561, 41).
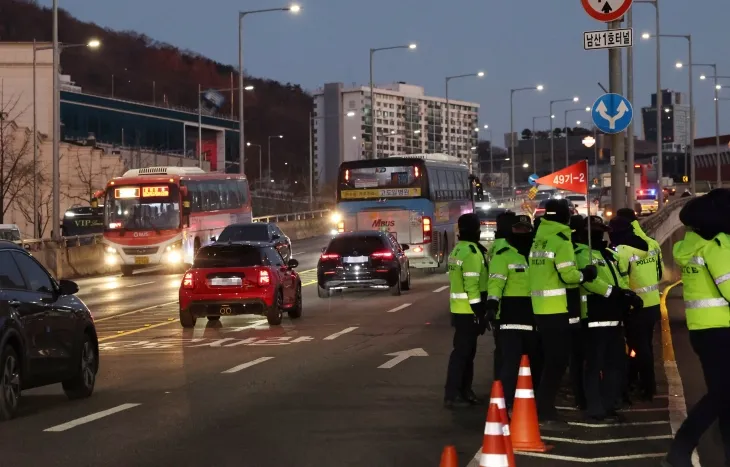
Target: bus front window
point(142, 208)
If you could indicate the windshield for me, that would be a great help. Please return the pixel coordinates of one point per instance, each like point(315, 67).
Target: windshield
point(245, 233)
point(386, 181)
point(144, 207)
point(228, 256)
point(11, 235)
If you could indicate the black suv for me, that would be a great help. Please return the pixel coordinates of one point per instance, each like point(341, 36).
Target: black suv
point(47, 335)
point(360, 260)
point(266, 232)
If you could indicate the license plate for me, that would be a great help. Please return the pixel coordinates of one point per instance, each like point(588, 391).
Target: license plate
point(225, 281)
point(141, 260)
point(355, 259)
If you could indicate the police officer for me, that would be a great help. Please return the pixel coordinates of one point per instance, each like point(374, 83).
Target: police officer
point(606, 299)
point(552, 268)
point(505, 221)
point(468, 281)
point(642, 265)
point(704, 256)
point(575, 297)
point(509, 292)
point(630, 215)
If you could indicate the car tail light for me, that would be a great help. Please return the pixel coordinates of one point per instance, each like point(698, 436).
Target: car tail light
point(426, 229)
point(264, 278)
point(382, 255)
point(341, 226)
point(329, 256)
point(188, 281)
point(417, 249)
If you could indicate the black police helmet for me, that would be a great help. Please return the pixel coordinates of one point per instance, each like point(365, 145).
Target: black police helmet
point(597, 224)
point(577, 222)
point(522, 220)
point(627, 213)
point(469, 223)
point(557, 210)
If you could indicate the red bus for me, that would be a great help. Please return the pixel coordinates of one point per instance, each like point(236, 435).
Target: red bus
point(162, 215)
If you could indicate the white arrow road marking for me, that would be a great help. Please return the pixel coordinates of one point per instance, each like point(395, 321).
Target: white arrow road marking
point(402, 356)
point(90, 418)
point(338, 334)
point(243, 366)
point(399, 308)
point(620, 112)
point(441, 289)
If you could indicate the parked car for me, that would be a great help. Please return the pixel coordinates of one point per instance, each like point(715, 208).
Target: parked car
point(240, 278)
point(47, 335)
point(267, 232)
point(364, 259)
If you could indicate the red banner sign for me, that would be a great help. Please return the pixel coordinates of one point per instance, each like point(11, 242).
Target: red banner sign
point(573, 178)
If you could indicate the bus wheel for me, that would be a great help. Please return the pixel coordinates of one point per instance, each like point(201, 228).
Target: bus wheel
point(127, 270)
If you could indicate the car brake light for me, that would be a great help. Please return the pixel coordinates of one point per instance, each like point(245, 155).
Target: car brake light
point(329, 256)
point(264, 278)
point(417, 249)
point(426, 229)
point(188, 281)
point(341, 226)
point(382, 255)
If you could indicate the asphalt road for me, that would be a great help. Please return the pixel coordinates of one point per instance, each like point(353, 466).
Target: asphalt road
point(357, 381)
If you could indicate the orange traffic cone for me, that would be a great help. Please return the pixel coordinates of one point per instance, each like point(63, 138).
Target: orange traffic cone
point(448, 457)
point(525, 429)
point(494, 453)
point(497, 397)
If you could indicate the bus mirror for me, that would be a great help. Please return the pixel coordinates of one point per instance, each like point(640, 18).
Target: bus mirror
point(184, 191)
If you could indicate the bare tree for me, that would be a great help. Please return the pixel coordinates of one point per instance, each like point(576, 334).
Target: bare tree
point(91, 175)
point(45, 206)
point(16, 168)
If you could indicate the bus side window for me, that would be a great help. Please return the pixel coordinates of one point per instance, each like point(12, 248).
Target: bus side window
point(234, 201)
point(223, 192)
point(451, 184)
point(243, 191)
point(433, 183)
point(443, 184)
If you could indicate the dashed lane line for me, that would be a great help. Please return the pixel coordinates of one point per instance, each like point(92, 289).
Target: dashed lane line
point(606, 441)
point(338, 334)
point(90, 418)
point(399, 308)
point(243, 366)
point(99, 320)
point(441, 289)
point(138, 285)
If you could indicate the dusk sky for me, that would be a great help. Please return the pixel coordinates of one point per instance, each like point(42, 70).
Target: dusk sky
point(518, 43)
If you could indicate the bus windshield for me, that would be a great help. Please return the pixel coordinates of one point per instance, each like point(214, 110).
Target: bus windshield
point(142, 207)
point(388, 179)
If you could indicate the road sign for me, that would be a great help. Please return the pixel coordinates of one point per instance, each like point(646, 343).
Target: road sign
point(573, 178)
point(610, 39)
point(533, 179)
point(612, 113)
point(606, 10)
point(532, 193)
point(685, 178)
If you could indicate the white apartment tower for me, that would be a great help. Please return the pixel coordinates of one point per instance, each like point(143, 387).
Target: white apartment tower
point(406, 121)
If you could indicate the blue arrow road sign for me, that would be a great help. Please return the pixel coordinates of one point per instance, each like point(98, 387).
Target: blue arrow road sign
point(533, 179)
point(612, 113)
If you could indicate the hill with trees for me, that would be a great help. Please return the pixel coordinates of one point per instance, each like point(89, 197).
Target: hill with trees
point(137, 67)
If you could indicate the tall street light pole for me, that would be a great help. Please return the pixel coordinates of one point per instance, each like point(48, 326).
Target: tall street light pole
point(534, 143)
point(552, 116)
point(512, 92)
point(241, 15)
point(567, 146)
point(717, 117)
point(56, 174)
point(479, 74)
point(374, 137)
point(261, 172)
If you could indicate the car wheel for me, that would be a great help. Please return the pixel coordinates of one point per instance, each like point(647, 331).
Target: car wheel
point(407, 284)
point(396, 288)
point(276, 312)
point(127, 270)
point(323, 293)
point(9, 383)
point(296, 310)
point(214, 318)
point(187, 319)
point(81, 384)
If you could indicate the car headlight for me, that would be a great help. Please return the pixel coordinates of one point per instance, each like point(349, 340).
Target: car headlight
point(110, 260)
point(110, 250)
point(174, 257)
point(174, 246)
point(336, 217)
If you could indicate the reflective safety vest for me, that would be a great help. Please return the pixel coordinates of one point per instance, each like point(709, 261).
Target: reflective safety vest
point(509, 284)
point(706, 279)
point(642, 268)
point(653, 245)
point(468, 277)
point(597, 310)
point(497, 245)
point(552, 267)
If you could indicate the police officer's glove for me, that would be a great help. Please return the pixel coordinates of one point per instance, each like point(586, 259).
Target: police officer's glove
point(480, 316)
point(492, 308)
point(589, 273)
point(634, 300)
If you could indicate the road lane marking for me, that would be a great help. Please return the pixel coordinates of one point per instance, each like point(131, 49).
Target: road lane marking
point(134, 311)
point(591, 460)
point(135, 331)
point(606, 441)
point(398, 308)
point(138, 285)
point(243, 366)
point(402, 356)
point(616, 425)
point(338, 334)
point(90, 418)
point(652, 409)
point(441, 289)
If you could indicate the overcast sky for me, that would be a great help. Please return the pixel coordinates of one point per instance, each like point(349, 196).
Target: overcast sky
point(517, 42)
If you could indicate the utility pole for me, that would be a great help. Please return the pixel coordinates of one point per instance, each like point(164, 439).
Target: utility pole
point(618, 157)
point(631, 194)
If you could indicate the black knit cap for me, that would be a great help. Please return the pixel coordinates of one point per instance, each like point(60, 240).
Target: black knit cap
point(557, 210)
point(708, 214)
point(469, 223)
point(627, 213)
point(505, 221)
point(577, 222)
point(620, 225)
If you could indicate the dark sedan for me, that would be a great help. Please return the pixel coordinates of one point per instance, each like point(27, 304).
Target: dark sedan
point(360, 260)
point(266, 232)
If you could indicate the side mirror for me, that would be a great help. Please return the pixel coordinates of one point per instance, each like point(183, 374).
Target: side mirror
point(66, 287)
point(324, 248)
point(292, 263)
point(213, 239)
point(275, 237)
point(405, 247)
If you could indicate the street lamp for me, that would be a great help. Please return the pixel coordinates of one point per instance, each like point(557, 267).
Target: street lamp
point(242, 14)
point(534, 142)
point(592, 142)
point(552, 148)
point(200, 122)
point(512, 92)
point(260, 164)
point(479, 74)
point(680, 65)
point(586, 109)
point(717, 116)
point(411, 46)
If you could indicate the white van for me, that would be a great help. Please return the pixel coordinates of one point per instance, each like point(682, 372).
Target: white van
point(9, 232)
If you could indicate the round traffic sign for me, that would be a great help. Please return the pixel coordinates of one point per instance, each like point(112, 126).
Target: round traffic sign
point(606, 10)
point(532, 179)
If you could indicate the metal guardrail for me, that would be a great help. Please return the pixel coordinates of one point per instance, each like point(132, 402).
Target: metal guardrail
point(651, 224)
point(295, 216)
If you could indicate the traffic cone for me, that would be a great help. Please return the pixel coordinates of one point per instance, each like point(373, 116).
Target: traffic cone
point(525, 429)
point(494, 453)
point(497, 397)
point(448, 457)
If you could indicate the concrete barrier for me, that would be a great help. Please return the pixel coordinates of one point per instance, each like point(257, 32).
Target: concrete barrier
point(72, 262)
point(299, 230)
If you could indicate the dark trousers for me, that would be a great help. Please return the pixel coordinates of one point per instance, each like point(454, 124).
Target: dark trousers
point(577, 362)
point(513, 344)
point(640, 339)
point(460, 373)
point(555, 335)
point(605, 365)
point(497, 360)
point(712, 346)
